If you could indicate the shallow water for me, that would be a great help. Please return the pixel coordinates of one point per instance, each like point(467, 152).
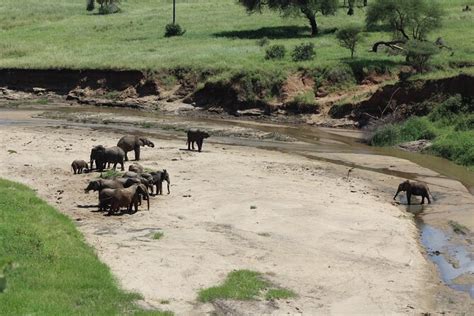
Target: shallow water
point(439, 247)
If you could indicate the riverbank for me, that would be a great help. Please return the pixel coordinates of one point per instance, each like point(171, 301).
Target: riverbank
point(340, 242)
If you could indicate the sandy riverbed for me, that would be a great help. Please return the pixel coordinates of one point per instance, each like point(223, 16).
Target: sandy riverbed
point(339, 245)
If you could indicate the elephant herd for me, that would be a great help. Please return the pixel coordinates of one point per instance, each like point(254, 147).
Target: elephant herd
point(131, 188)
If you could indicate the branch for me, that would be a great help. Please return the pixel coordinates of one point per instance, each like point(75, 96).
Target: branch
point(391, 44)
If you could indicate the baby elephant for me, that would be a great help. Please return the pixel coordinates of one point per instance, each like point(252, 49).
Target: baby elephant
point(414, 188)
point(78, 166)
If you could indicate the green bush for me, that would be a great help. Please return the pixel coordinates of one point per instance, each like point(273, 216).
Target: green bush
point(173, 30)
point(349, 37)
point(387, 135)
point(465, 123)
point(275, 52)
point(256, 84)
point(447, 111)
point(416, 128)
point(304, 51)
point(339, 75)
point(456, 146)
point(419, 53)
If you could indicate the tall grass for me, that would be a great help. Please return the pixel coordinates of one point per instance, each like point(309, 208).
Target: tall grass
point(53, 271)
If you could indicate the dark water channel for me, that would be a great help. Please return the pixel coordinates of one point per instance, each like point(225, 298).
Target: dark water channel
point(311, 141)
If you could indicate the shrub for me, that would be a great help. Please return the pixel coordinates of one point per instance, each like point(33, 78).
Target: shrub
point(339, 74)
point(264, 41)
point(386, 135)
point(465, 123)
point(304, 51)
point(419, 53)
point(275, 52)
point(446, 112)
point(416, 128)
point(173, 30)
point(349, 37)
point(456, 146)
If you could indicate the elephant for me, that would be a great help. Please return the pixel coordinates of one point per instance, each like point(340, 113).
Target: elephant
point(136, 168)
point(102, 156)
point(414, 188)
point(78, 166)
point(127, 197)
point(131, 142)
point(158, 178)
point(101, 184)
point(196, 136)
point(129, 181)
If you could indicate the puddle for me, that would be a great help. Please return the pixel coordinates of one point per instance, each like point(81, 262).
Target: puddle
point(453, 261)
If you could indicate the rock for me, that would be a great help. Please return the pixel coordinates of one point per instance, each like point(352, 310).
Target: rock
point(39, 90)
point(416, 146)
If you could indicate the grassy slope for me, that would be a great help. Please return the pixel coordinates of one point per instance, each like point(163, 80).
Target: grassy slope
point(220, 34)
point(56, 273)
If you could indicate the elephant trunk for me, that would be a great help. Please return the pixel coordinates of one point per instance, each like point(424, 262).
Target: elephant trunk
point(398, 191)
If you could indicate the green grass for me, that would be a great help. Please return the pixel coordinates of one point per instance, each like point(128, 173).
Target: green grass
point(53, 270)
point(278, 294)
point(220, 35)
point(110, 174)
point(244, 285)
point(158, 235)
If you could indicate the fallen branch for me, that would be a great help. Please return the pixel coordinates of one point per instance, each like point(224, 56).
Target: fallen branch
point(391, 44)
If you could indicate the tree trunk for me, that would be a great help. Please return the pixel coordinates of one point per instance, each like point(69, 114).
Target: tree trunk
point(312, 20)
point(174, 12)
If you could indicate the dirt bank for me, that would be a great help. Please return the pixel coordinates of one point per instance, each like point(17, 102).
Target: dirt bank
point(336, 242)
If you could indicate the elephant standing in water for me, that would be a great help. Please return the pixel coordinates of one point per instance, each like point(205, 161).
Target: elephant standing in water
point(196, 136)
point(414, 188)
point(102, 156)
point(130, 142)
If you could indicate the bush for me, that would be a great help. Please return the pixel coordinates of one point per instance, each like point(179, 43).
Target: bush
point(339, 74)
point(456, 146)
point(419, 53)
point(387, 135)
point(275, 52)
point(304, 51)
point(109, 8)
point(173, 30)
point(264, 41)
point(465, 123)
point(446, 112)
point(416, 128)
point(349, 37)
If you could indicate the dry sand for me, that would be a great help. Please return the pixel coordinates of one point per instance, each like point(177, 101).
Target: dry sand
point(338, 243)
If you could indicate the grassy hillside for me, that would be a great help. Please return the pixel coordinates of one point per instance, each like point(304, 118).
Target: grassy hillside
point(50, 270)
point(220, 34)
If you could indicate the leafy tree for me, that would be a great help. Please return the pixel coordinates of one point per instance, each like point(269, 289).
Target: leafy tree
point(409, 19)
point(348, 37)
point(303, 51)
point(307, 8)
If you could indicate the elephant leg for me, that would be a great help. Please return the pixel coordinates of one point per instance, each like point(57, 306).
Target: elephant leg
point(126, 156)
point(409, 198)
point(199, 143)
point(428, 198)
point(137, 153)
point(121, 163)
point(160, 189)
point(422, 199)
point(192, 144)
point(189, 144)
point(115, 166)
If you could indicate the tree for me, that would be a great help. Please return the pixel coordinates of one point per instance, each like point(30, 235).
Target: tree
point(106, 6)
point(409, 19)
point(307, 8)
point(418, 54)
point(348, 37)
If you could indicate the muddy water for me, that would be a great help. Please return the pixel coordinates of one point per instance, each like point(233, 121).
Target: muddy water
point(310, 142)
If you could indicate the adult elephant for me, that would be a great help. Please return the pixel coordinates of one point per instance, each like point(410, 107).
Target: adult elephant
point(102, 156)
point(196, 136)
point(131, 142)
